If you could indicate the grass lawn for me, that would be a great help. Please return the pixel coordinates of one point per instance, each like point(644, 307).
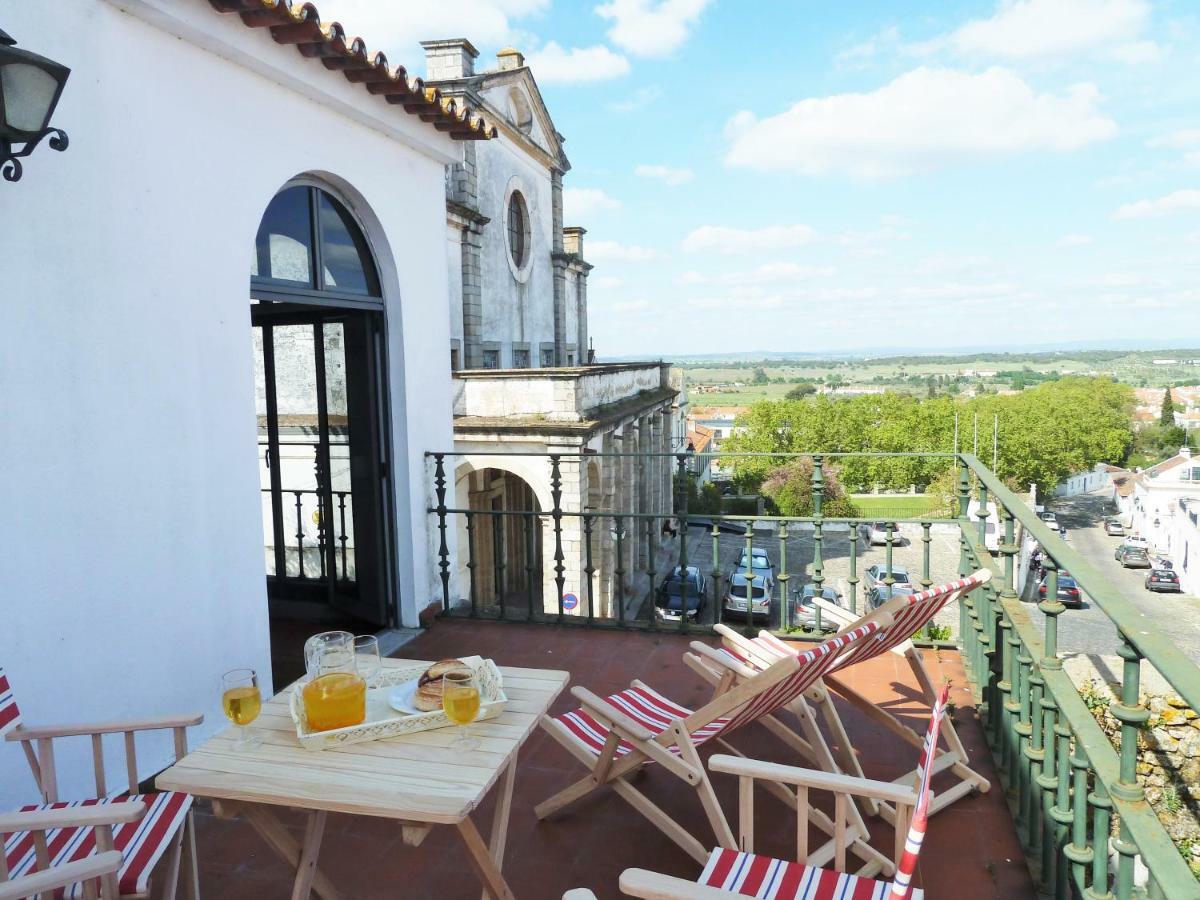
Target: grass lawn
point(894, 506)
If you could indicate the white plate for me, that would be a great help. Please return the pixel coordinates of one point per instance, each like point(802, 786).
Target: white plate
point(401, 698)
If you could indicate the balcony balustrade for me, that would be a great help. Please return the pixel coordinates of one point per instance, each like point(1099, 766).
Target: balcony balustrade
point(1079, 809)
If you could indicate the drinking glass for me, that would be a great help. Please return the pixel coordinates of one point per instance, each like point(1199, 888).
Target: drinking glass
point(460, 701)
point(367, 658)
point(242, 702)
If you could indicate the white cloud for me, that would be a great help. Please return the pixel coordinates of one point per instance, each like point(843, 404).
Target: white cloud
point(1074, 240)
point(611, 250)
point(957, 290)
point(1179, 201)
point(639, 99)
point(768, 273)
point(665, 174)
point(923, 120)
point(607, 283)
point(856, 54)
point(554, 64)
point(582, 202)
point(734, 241)
point(768, 301)
point(1052, 30)
point(394, 28)
point(1183, 139)
point(648, 28)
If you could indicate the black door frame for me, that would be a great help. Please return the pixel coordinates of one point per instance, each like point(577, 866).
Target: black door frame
point(303, 305)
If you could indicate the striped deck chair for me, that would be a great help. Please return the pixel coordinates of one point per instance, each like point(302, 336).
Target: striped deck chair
point(615, 736)
point(730, 873)
point(165, 824)
point(909, 615)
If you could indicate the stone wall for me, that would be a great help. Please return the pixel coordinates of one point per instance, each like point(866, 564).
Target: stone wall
point(1168, 764)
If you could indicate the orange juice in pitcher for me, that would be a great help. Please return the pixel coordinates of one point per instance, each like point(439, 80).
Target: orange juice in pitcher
point(335, 695)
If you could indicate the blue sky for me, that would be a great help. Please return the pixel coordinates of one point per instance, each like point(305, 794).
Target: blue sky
point(823, 176)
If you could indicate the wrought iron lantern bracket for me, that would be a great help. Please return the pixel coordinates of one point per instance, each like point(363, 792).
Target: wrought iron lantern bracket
point(14, 135)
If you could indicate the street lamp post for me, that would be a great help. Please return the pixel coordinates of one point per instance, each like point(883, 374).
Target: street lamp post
point(30, 86)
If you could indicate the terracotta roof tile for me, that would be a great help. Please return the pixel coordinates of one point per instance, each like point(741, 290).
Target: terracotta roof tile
point(300, 24)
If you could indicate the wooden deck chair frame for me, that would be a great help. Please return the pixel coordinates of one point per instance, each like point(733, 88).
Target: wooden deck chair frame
point(767, 648)
point(97, 873)
point(741, 704)
point(38, 743)
point(743, 874)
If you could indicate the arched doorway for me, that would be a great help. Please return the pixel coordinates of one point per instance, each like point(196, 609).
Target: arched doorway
point(500, 555)
point(321, 397)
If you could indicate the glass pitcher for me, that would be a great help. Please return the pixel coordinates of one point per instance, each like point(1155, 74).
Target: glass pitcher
point(335, 695)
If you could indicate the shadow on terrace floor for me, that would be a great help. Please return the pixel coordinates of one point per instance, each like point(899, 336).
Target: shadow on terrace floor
point(971, 849)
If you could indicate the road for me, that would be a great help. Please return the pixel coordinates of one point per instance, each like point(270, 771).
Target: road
point(1088, 630)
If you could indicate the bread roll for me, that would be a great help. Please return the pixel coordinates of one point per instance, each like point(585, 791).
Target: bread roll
point(428, 696)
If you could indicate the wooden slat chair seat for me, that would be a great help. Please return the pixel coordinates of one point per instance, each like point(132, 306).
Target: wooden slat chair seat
point(141, 843)
point(740, 872)
point(616, 735)
point(741, 656)
point(166, 826)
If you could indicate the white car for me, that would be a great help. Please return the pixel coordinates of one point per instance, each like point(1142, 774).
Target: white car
point(1049, 518)
point(876, 533)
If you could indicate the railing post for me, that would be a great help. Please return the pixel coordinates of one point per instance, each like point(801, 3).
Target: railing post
point(560, 579)
point(818, 485)
point(785, 609)
point(716, 571)
point(439, 484)
point(681, 467)
point(532, 566)
point(650, 560)
point(471, 564)
point(1003, 715)
point(1101, 828)
point(926, 542)
point(1132, 715)
point(853, 579)
point(589, 569)
point(749, 576)
point(619, 572)
point(888, 578)
point(1079, 851)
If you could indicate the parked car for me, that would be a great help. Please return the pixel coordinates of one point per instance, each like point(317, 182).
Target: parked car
point(877, 574)
point(724, 526)
point(1132, 557)
point(806, 613)
point(669, 602)
point(761, 589)
point(1068, 590)
point(876, 533)
point(881, 593)
point(1049, 518)
point(760, 561)
point(1114, 527)
point(1163, 581)
point(1136, 540)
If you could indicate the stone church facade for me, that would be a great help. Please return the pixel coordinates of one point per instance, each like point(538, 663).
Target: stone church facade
point(525, 380)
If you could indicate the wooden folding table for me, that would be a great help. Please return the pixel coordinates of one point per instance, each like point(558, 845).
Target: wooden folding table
point(415, 779)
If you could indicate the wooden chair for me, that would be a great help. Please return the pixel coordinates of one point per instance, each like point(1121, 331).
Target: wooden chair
point(615, 736)
point(739, 872)
point(30, 839)
point(909, 615)
point(167, 823)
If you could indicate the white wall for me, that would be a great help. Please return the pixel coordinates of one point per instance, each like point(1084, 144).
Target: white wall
point(126, 355)
point(1083, 483)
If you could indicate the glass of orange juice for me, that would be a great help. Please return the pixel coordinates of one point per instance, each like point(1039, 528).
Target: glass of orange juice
point(242, 702)
point(460, 702)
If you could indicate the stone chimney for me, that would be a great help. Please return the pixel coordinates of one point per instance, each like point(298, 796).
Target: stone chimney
point(449, 58)
point(510, 58)
point(573, 240)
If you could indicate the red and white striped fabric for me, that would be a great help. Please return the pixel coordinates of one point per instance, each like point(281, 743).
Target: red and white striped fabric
point(142, 843)
point(750, 875)
point(655, 712)
point(916, 831)
point(10, 713)
point(915, 615)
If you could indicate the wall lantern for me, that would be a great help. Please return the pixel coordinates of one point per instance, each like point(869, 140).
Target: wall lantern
point(30, 86)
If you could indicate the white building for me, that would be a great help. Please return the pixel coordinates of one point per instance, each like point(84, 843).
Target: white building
point(1152, 504)
point(215, 159)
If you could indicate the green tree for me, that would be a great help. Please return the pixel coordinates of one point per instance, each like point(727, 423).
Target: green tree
point(1167, 415)
point(801, 390)
point(759, 376)
point(788, 489)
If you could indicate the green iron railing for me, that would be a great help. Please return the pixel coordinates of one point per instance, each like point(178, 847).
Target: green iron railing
point(1066, 784)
